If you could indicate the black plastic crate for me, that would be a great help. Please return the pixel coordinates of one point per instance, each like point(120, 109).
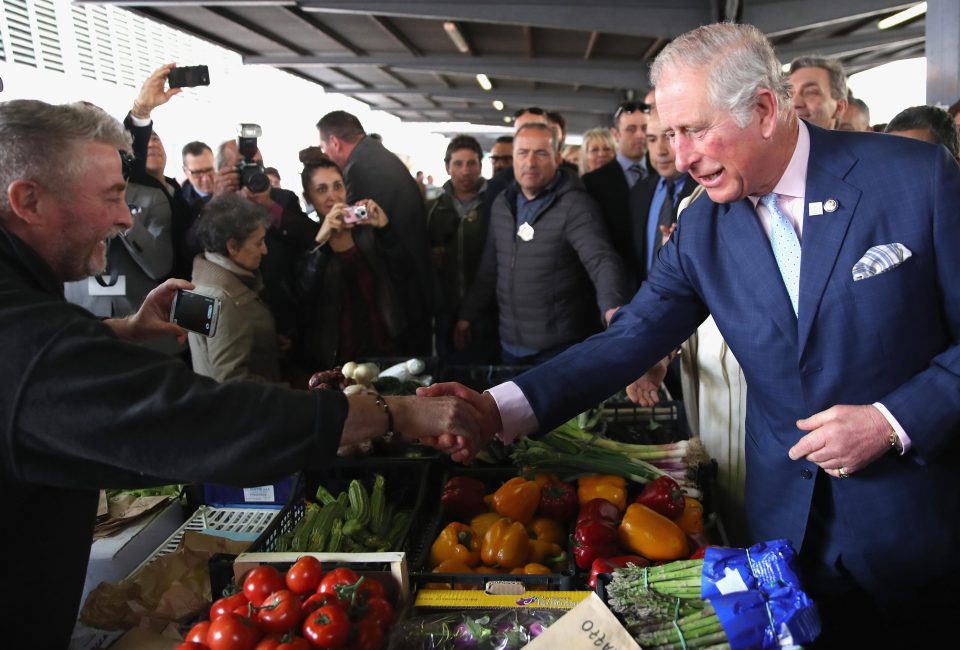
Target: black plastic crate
point(493, 477)
point(660, 424)
point(408, 486)
point(482, 377)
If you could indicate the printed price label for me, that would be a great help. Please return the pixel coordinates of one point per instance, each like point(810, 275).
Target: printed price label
point(588, 626)
point(262, 494)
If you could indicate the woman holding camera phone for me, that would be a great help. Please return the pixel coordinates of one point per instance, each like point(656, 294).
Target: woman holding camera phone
point(233, 231)
point(350, 302)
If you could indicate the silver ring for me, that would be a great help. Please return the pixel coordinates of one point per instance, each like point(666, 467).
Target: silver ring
point(842, 473)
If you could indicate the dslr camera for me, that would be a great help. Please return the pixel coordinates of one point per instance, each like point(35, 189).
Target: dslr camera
point(249, 171)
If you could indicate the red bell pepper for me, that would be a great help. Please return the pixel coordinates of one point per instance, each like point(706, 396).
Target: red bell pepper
point(462, 497)
point(699, 553)
point(664, 496)
point(558, 501)
point(594, 539)
point(599, 509)
point(608, 564)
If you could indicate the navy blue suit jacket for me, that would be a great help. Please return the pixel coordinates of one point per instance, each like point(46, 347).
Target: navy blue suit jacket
point(890, 338)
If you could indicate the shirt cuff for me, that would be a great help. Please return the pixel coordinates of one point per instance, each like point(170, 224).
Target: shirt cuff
point(516, 414)
point(136, 121)
point(904, 438)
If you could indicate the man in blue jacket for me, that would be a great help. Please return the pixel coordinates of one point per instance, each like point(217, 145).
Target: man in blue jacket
point(829, 262)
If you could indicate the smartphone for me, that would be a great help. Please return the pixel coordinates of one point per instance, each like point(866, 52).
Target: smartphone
point(355, 213)
point(188, 76)
point(195, 312)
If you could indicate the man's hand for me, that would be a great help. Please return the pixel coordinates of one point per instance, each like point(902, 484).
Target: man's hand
point(665, 232)
point(228, 180)
point(152, 320)
point(153, 92)
point(490, 424)
point(461, 334)
point(850, 437)
point(608, 316)
point(646, 390)
point(446, 423)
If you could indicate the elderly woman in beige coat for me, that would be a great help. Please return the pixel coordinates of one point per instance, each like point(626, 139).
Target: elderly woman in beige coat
point(232, 232)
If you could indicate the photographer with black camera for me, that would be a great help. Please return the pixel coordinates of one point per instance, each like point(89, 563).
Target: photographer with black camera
point(290, 234)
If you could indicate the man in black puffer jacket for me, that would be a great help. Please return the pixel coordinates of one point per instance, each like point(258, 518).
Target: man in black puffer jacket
point(548, 258)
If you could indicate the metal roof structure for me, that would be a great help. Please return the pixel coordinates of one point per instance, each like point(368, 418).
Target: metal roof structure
point(419, 59)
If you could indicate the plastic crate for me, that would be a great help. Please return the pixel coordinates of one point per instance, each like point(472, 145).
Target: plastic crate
point(236, 522)
point(420, 575)
point(662, 423)
point(481, 378)
point(408, 483)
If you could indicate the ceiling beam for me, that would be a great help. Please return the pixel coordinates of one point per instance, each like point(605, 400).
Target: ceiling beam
point(852, 44)
point(528, 39)
point(786, 16)
point(165, 19)
point(391, 30)
point(257, 29)
point(609, 73)
point(624, 17)
point(314, 23)
point(591, 45)
point(547, 98)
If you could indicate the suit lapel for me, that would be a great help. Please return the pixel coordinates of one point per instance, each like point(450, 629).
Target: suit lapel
point(750, 250)
point(823, 234)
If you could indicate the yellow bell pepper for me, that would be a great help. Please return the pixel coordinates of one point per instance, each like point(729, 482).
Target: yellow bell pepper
point(543, 551)
point(506, 544)
point(652, 535)
point(532, 569)
point(603, 486)
point(456, 542)
point(482, 522)
point(548, 530)
point(452, 566)
point(691, 519)
point(517, 499)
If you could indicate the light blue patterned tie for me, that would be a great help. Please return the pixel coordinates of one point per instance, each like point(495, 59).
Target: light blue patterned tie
point(786, 247)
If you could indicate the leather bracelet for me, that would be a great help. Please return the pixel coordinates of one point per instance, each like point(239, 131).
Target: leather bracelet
point(382, 403)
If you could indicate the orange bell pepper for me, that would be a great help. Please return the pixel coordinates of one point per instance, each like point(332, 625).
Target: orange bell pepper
point(546, 552)
point(691, 519)
point(452, 566)
point(652, 535)
point(548, 530)
point(482, 522)
point(517, 499)
point(543, 479)
point(485, 569)
point(532, 569)
point(456, 542)
point(506, 544)
point(603, 486)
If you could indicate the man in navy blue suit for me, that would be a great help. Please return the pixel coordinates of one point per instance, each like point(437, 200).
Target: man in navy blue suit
point(829, 261)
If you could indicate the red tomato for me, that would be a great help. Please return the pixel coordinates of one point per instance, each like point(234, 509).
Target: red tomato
point(191, 645)
point(198, 633)
point(268, 643)
point(304, 576)
point(227, 604)
point(295, 643)
point(380, 611)
point(261, 582)
point(338, 577)
point(328, 627)
point(316, 601)
point(369, 636)
point(371, 588)
point(279, 613)
point(231, 632)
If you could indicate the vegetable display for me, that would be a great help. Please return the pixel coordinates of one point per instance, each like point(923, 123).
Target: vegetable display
point(509, 629)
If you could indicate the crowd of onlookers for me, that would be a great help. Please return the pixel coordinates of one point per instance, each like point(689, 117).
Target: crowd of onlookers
point(512, 269)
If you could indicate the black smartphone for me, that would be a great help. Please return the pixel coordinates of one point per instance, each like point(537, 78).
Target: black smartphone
point(195, 312)
point(188, 76)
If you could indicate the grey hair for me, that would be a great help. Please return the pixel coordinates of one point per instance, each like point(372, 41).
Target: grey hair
point(41, 142)
point(228, 216)
point(838, 78)
point(540, 126)
point(224, 151)
point(739, 61)
point(596, 133)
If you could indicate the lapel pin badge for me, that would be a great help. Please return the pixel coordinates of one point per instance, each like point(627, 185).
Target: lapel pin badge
point(525, 231)
point(830, 205)
point(815, 209)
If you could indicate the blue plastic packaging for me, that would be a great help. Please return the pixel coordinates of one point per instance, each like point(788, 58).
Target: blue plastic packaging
point(766, 566)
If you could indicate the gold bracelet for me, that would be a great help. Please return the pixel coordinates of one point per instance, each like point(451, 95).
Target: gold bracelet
point(382, 403)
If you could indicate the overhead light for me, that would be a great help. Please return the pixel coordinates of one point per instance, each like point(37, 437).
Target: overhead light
point(456, 36)
point(484, 81)
point(903, 16)
point(497, 104)
point(507, 119)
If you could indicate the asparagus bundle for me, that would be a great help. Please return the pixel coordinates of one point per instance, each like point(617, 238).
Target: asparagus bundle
point(700, 629)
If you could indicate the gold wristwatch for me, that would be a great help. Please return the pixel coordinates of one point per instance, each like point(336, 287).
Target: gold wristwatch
point(895, 441)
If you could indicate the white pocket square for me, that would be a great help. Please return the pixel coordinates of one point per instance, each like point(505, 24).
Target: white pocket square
point(880, 259)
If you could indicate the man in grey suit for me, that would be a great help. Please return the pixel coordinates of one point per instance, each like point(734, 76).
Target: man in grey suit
point(373, 172)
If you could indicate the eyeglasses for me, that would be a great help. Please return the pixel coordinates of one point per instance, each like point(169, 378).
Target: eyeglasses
point(533, 110)
point(198, 172)
point(630, 107)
